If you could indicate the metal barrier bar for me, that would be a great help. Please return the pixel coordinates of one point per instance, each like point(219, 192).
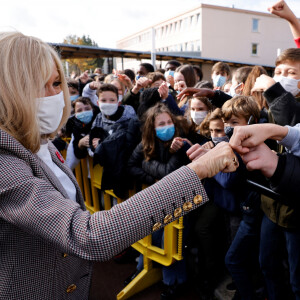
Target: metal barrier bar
point(89, 179)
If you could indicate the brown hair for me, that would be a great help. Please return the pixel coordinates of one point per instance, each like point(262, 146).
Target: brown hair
point(241, 106)
point(211, 116)
point(107, 87)
point(258, 96)
point(149, 136)
point(291, 54)
point(83, 100)
point(155, 76)
point(221, 67)
point(241, 74)
point(29, 62)
point(204, 100)
point(188, 73)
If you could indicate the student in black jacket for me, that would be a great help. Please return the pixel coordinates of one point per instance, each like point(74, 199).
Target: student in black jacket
point(162, 151)
point(79, 126)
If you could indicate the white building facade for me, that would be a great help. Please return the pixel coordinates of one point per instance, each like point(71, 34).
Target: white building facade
point(217, 32)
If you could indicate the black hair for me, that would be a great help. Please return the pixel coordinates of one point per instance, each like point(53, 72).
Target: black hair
point(148, 67)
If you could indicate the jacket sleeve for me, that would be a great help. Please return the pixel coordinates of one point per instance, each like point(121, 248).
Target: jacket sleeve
point(132, 99)
point(89, 93)
point(134, 167)
point(80, 153)
point(29, 202)
point(285, 180)
point(159, 170)
point(283, 105)
point(219, 98)
point(172, 105)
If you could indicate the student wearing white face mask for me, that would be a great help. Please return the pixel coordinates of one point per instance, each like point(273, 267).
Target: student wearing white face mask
point(113, 115)
point(282, 91)
point(197, 111)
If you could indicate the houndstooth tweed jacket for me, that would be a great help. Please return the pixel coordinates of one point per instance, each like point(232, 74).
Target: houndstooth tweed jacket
point(48, 242)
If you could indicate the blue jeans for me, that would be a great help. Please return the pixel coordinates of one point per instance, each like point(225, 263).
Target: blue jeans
point(242, 256)
point(271, 259)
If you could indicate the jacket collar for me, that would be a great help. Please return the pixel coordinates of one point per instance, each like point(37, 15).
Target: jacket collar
point(39, 168)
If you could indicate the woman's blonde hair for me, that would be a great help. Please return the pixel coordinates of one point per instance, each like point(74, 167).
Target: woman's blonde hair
point(26, 64)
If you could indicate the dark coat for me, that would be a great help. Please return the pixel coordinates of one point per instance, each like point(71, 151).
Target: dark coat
point(283, 105)
point(163, 164)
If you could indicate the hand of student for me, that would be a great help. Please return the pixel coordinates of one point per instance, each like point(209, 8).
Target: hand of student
point(246, 137)
point(196, 151)
point(84, 142)
point(282, 10)
point(208, 145)
point(220, 158)
point(95, 85)
point(163, 91)
point(141, 83)
point(197, 93)
point(261, 158)
point(178, 143)
point(180, 86)
point(84, 77)
point(262, 83)
point(95, 142)
point(170, 80)
point(125, 80)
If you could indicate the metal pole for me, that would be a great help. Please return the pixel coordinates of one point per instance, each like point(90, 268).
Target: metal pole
point(153, 54)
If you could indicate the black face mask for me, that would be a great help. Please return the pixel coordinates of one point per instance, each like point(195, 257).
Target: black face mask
point(229, 131)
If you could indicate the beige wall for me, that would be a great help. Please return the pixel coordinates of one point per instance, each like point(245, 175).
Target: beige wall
point(221, 33)
point(228, 34)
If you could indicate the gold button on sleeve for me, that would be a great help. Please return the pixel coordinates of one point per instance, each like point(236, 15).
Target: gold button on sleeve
point(187, 206)
point(156, 226)
point(177, 212)
point(71, 288)
point(198, 199)
point(167, 219)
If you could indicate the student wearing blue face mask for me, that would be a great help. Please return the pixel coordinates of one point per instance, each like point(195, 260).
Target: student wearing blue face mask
point(220, 73)
point(159, 154)
point(79, 126)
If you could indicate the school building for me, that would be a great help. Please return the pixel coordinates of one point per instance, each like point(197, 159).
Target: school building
point(214, 33)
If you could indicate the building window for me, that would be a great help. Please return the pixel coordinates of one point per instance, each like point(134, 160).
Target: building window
point(254, 25)
point(254, 49)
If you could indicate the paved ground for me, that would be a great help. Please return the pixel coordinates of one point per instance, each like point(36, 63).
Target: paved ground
point(108, 280)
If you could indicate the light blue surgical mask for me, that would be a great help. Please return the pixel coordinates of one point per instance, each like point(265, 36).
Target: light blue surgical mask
point(74, 97)
point(219, 80)
point(85, 116)
point(165, 133)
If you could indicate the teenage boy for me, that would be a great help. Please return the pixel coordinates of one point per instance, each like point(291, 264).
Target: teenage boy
point(282, 90)
point(220, 73)
point(281, 222)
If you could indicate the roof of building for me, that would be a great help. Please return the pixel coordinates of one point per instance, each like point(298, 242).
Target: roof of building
point(80, 51)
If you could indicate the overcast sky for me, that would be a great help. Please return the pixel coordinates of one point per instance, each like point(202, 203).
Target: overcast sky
point(104, 21)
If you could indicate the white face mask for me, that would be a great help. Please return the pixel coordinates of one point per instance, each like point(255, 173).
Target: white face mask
point(49, 112)
point(232, 92)
point(198, 116)
point(108, 109)
point(289, 84)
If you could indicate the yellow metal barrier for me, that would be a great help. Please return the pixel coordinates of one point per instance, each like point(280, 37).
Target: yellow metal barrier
point(89, 179)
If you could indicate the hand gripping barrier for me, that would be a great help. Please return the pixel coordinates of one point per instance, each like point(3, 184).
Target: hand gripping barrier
point(89, 179)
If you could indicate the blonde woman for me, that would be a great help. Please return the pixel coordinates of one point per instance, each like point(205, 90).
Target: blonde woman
point(47, 238)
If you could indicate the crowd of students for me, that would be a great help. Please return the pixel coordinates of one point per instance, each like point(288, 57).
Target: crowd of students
point(141, 126)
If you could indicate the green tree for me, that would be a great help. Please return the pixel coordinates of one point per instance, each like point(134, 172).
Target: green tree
point(79, 65)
